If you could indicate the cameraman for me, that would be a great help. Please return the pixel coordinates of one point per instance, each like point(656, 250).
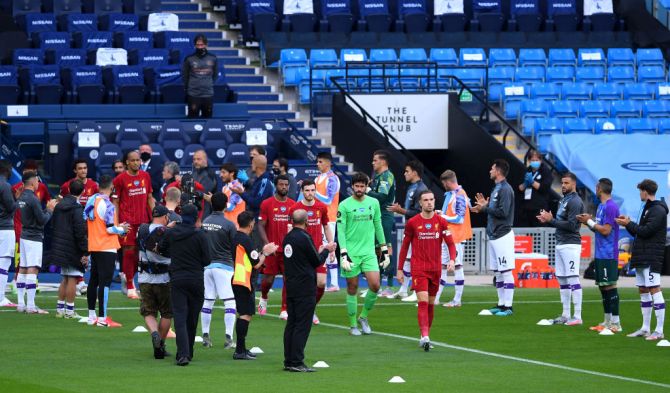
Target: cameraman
point(191, 192)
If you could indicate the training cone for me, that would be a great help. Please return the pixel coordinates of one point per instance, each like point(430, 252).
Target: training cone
point(198, 339)
point(396, 379)
point(606, 332)
point(544, 322)
point(140, 329)
point(663, 343)
point(485, 312)
point(256, 350)
point(83, 320)
point(320, 364)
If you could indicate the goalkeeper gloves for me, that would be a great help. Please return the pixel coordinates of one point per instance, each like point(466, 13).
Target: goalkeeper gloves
point(345, 262)
point(385, 259)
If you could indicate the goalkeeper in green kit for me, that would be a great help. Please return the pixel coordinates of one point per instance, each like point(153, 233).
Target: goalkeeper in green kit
point(358, 223)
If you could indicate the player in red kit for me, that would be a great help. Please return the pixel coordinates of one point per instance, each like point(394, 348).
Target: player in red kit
point(317, 227)
point(273, 224)
point(133, 202)
point(425, 232)
point(80, 169)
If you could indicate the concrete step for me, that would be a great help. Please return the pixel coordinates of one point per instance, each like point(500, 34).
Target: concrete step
point(192, 15)
point(248, 79)
point(248, 97)
point(176, 6)
point(268, 106)
point(233, 60)
point(245, 87)
point(272, 114)
point(197, 24)
point(241, 70)
point(223, 52)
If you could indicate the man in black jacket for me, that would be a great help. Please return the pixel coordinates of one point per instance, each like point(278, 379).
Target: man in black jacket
point(647, 256)
point(189, 252)
point(199, 72)
point(69, 248)
point(300, 262)
point(536, 189)
point(7, 236)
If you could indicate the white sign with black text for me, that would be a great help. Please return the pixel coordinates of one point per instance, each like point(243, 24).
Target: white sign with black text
point(417, 121)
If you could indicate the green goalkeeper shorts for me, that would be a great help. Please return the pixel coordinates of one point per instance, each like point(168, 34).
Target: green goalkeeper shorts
point(607, 272)
point(367, 263)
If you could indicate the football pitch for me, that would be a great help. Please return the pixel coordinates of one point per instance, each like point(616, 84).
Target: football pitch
point(472, 353)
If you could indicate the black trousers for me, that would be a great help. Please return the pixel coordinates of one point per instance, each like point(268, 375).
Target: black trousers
point(187, 298)
point(299, 324)
point(102, 272)
point(196, 105)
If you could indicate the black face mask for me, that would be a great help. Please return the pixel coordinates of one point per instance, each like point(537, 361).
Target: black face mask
point(201, 52)
point(276, 171)
point(145, 156)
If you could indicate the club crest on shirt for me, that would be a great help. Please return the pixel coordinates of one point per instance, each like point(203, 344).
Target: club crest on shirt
point(136, 183)
point(282, 209)
point(362, 210)
point(310, 213)
point(428, 226)
point(254, 254)
point(288, 251)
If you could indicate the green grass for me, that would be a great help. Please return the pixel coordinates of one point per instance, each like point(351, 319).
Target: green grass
point(43, 354)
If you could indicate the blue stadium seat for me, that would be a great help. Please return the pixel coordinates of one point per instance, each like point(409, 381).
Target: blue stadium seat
point(662, 91)
point(659, 108)
point(638, 91)
point(544, 129)
point(488, 16)
point(413, 16)
point(528, 127)
point(620, 57)
point(117, 22)
point(651, 74)
point(444, 56)
point(526, 16)
point(546, 91)
point(53, 40)
point(664, 126)
point(238, 154)
point(107, 154)
point(444, 80)
point(126, 83)
point(289, 62)
point(166, 84)
point(562, 18)
point(530, 74)
point(601, 21)
point(472, 57)
point(84, 85)
point(130, 135)
point(338, 75)
point(590, 74)
point(471, 77)
point(498, 77)
point(149, 57)
point(78, 22)
point(642, 126)
point(173, 138)
point(37, 23)
point(299, 23)
point(411, 79)
point(9, 85)
point(130, 40)
point(578, 126)
point(413, 54)
point(215, 139)
point(626, 108)
point(102, 7)
point(352, 54)
point(562, 57)
point(560, 74)
point(533, 108)
point(576, 91)
point(564, 109)
point(532, 57)
point(608, 91)
point(338, 16)
point(323, 58)
point(621, 74)
point(383, 55)
point(512, 95)
point(453, 22)
point(22, 7)
point(610, 126)
point(26, 57)
point(649, 57)
point(306, 86)
point(67, 57)
point(174, 40)
point(502, 57)
point(595, 109)
point(66, 6)
point(145, 7)
point(44, 84)
point(187, 158)
point(591, 57)
point(92, 40)
point(375, 16)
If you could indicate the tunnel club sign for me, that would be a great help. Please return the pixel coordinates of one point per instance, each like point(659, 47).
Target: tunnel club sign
point(418, 121)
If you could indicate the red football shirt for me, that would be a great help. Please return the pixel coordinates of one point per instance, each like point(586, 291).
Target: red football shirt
point(90, 189)
point(132, 192)
point(42, 194)
point(276, 217)
point(317, 217)
point(426, 237)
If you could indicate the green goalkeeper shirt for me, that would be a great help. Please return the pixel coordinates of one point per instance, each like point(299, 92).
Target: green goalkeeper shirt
point(358, 222)
point(382, 189)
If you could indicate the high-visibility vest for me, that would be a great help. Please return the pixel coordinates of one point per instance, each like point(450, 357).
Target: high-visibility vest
point(239, 208)
point(321, 183)
point(98, 238)
point(459, 232)
point(242, 274)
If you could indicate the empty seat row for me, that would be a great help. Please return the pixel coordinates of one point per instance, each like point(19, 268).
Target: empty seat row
point(539, 108)
point(58, 7)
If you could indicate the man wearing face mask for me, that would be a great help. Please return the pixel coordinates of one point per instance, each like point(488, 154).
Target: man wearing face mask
point(199, 73)
point(153, 168)
point(536, 190)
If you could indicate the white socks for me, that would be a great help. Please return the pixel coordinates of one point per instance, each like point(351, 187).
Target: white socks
point(5, 263)
point(500, 288)
point(565, 296)
point(576, 289)
point(21, 289)
point(69, 308)
point(206, 315)
point(659, 310)
point(459, 280)
point(229, 316)
point(406, 269)
point(443, 283)
point(31, 289)
point(508, 289)
point(645, 304)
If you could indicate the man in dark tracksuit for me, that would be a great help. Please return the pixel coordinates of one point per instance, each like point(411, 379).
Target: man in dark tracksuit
point(7, 236)
point(199, 72)
point(189, 252)
point(300, 262)
point(647, 257)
